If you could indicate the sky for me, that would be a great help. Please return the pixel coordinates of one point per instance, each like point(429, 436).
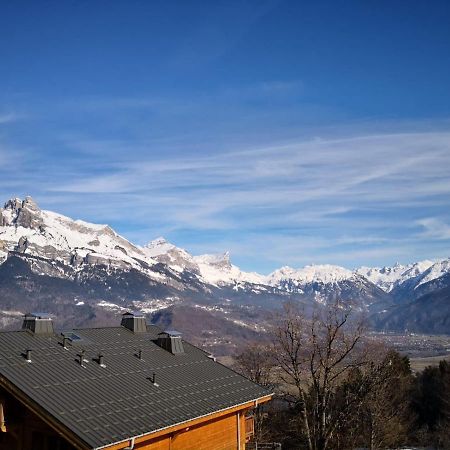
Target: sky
point(285, 132)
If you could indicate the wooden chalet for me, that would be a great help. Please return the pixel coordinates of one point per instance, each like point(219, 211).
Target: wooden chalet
point(118, 388)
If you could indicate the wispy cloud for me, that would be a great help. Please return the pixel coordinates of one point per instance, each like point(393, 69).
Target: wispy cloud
point(434, 228)
point(366, 185)
point(383, 170)
point(299, 201)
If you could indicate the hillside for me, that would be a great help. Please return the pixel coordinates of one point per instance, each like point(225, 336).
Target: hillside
point(85, 273)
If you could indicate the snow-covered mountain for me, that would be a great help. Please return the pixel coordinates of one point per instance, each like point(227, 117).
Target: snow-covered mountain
point(435, 271)
point(387, 278)
point(27, 229)
point(325, 274)
point(213, 269)
point(218, 270)
point(401, 279)
point(327, 282)
point(164, 252)
point(51, 262)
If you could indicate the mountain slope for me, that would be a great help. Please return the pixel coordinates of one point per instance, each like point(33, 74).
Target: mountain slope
point(426, 314)
point(388, 278)
point(76, 269)
point(407, 282)
point(327, 283)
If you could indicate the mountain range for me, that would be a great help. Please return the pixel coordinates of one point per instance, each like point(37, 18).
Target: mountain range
point(86, 274)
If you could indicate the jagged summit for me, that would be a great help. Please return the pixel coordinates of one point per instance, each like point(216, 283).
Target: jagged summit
point(25, 228)
point(219, 260)
point(51, 262)
point(158, 246)
point(389, 278)
point(157, 242)
point(167, 253)
point(322, 273)
point(24, 213)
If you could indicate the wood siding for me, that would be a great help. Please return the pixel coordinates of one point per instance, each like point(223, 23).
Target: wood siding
point(216, 434)
point(218, 431)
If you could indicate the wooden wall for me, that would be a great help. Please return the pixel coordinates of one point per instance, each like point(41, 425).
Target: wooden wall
point(220, 433)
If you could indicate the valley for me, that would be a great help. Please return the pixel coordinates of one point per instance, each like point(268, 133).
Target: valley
point(87, 275)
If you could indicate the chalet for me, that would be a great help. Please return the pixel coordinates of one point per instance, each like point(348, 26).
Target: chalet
point(127, 387)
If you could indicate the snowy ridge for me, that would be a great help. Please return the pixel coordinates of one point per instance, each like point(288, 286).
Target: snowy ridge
point(437, 270)
point(325, 274)
point(176, 258)
point(217, 269)
point(26, 229)
point(388, 278)
point(158, 247)
point(213, 269)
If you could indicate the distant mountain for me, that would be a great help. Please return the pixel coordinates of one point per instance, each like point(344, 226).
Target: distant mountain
point(388, 278)
point(324, 283)
point(409, 282)
point(428, 313)
point(86, 273)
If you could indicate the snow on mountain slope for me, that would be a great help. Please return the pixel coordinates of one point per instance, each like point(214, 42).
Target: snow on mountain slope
point(212, 269)
point(177, 258)
point(325, 283)
point(217, 269)
point(388, 278)
point(325, 274)
point(158, 247)
point(437, 270)
point(27, 229)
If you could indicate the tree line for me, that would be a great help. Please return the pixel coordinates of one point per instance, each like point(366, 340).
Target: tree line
point(337, 389)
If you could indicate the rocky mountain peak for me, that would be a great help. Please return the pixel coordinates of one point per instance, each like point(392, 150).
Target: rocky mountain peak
point(159, 246)
point(24, 213)
point(157, 242)
point(219, 260)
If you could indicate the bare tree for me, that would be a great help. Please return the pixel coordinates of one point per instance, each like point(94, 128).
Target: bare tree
point(256, 362)
point(314, 355)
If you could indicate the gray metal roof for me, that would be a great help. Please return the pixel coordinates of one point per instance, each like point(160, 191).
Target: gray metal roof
point(103, 405)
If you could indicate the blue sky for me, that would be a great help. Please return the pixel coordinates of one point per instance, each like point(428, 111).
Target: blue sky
point(286, 132)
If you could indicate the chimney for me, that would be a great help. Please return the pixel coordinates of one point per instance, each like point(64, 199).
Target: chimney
point(170, 340)
point(133, 322)
point(38, 323)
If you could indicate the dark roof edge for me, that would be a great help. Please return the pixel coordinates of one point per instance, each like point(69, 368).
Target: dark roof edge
point(44, 415)
point(181, 423)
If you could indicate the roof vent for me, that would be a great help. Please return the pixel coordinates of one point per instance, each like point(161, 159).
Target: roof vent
point(133, 322)
point(170, 340)
point(38, 323)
